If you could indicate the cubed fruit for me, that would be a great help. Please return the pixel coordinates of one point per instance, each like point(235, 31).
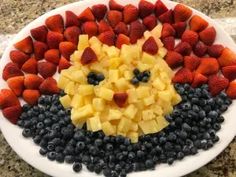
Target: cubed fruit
point(158, 84)
point(162, 52)
point(114, 62)
point(148, 59)
point(138, 117)
point(143, 92)
point(65, 101)
point(148, 114)
point(88, 99)
point(98, 104)
point(161, 122)
point(176, 99)
point(124, 125)
point(96, 45)
point(149, 100)
point(113, 75)
point(108, 128)
point(122, 84)
point(76, 56)
point(164, 66)
point(147, 34)
point(95, 124)
point(70, 88)
point(62, 82)
point(97, 67)
point(157, 31)
point(133, 137)
point(111, 51)
point(83, 41)
point(165, 95)
point(121, 134)
point(114, 114)
point(106, 94)
point(130, 111)
point(77, 101)
point(133, 126)
point(165, 78)
point(167, 109)
point(85, 90)
point(78, 76)
point(128, 75)
point(81, 114)
point(148, 126)
point(142, 66)
point(132, 95)
point(157, 109)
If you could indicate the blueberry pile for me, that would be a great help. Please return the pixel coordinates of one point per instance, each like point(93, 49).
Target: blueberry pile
point(94, 78)
point(140, 76)
point(193, 126)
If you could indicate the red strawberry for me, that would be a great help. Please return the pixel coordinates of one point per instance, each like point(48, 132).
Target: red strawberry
point(208, 35)
point(150, 46)
point(122, 39)
point(182, 13)
point(55, 23)
point(167, 17)
point(145, 8)
point(113, 5)
point(215, 50)
point(183, 48)
point(107, 38)
point(31, 96)
point(167, 30)
point(182, 76)
point(49, 86)
point(121, 28)
point(39, 49)
point(179, 27)
point(208, 66)
point(114, 17)
point(53, 39)
point(86, 15)
point(130, 13)
point(71, 19)
point(99, 11)
point(150, 22)
point(25, 45)
point(11, 70)
point(173, 59)
point(120, 98)
point(217, 84)
point(63, 64)
point(18, 57)
point(227, 58)
point(30, 66)
point(190, 37)
point(231, 90)
point(52, 55)
point(39, 33)
point(8, 99)
point(88, 56)
point(136, 31)
point(169, 42)
point(191, 62)
point(197, 23)
point(229, 72)
point(160, 8)
point(103, 26)
point(66, 49)
point(199, 80)
point(200, 49)
point(72, 34)
point(46, 69)
point(16, 84)
point(90, 28)
point(12, 113)
point(32, 81)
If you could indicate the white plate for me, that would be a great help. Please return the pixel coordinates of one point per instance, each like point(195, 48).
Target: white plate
point(28, 151)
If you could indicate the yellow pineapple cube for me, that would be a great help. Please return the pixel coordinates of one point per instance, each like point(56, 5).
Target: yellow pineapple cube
point(148, 114)
point(148, 59)
point(121, 134)
point(94, 123)
point(128, 75)
point(113, 75)
point(165, 78)
point(161, 122)
point(83, 41)
point(133, 136)
point(78, 76)
point(85, 90)
point(106, 94)
point(112, 51)
point(108, 128)
point(162, 52)
point(96, 45)
point(88, 99)
point(97, 67)
point(77, 101)
point(133, 126)
point(122, 84)
point(147, 34)
point(104, 115)
point(176, 99)
point(157, 31)
point(124, 125)
point(149, 100)
point(157, 109)
point(62, 82)
point(165, 95)
point(114, 62)
point(132, 95)
point(85, 70)
point(76, 56)
point(164, 66)
point(148, 126)
point(98, 104)
point(143, 92)
point(168, 108)
point(82, 113)
point(138, 117)
point(65, 101)
point(123, 68)
point(114, 114)
point(70, 88)
point(142, 66)
point(130, 111)
point(158, 84)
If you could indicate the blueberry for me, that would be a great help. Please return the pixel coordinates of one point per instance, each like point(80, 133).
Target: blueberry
point(26, 133)
point(69, 159)
point(43, 151)
point(149, 163)
point(97, 168)
point(51, 155)
point(147, 73)
point(186, 127)
point(136, 71)
point(139, 76)
point(98, 142)
point(77, 167)
point(100, 77)
point(134, 81)
point(131, 155)
point(180, 155)
point(213, 114)
point(60, 157)
point(145, 79)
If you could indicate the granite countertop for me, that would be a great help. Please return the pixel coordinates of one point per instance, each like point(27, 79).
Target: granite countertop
point(15, 14)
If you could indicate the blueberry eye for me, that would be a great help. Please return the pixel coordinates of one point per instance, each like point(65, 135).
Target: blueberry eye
point(94, 78)
point(140, 76)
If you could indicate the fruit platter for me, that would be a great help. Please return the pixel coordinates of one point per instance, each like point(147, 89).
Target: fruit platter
point(119, 88)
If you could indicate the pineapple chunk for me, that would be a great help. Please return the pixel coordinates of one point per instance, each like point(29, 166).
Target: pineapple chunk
point(77, 101)
point(112, 51)
point(97, 67)
point(149, 100)
point(157, 109)
point(114, 62)
point(158, 84)
point(142, 66)
point(70, 88)
point(148, 59)
point(114, 114)
point(98, 104)
point(95, 124)
point(147, 34)
point(113, 75)
point(106, 94)
point(133, 97)
point(85, 90)
point(148, 114)
point(83, 41)
point(162, 52)
point(65, 101)
point(96, 45)
point(124, 125)
point(161, 122)
point(148, 126)
point(133, 137)
point(165, 95)
point(138, 117)
point(121, 134)
point(165, 78)
point(82, 113)
point(62, 82)
point(157, 31)
point(133, 126)
point(75, 57)
point(108, 128)
point(128, 75)
point(88, 99)
point(130, 111)
point(176, 99)
point(143, 92)
point(121, 84)
point(78, 76)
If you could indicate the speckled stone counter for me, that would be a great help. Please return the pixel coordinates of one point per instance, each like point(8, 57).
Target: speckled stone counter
point(15, 14)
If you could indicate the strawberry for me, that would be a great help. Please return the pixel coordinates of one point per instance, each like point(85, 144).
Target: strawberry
point(145, 8)
point(99, 11)
point(11, 70)
point(208, 35)
point(182, 76)
point(167, 17)
point(52, 55)
point(113, 5)
point(197, 23)
point(130, 13)
point(190, 37)
point(121, 28)
point(160, 8)
point(32, 81)
point(8, 99)
point(25, 45)
point(88, 56)
point(150, 22)
point(71, 19)
point(114, 17)
point(173, 59)
point(183, 48)
point(16, 84)
point(63, 64)
point(31, 96)
point(200, 49)
point(208, 66)
point(179, 27)
point(90, 28)
point(103, 26)
point(71, 34)
point(12, 113)
point(39, 33)
point(122, 39)
point(120, 98)
point(231, 90)
point(46, 69)
point(66, 49)
point(217, 84)
point(191, 62)
point(107, 37)
point(49, 86)
point(53, 39)
point(215, 50)
point(199, 80)
point(150, 46)
point(86, 15)
point(136, 31)
point(39, 49)
point(55, 23)
point(227, 58)
point(182, 13)
point(229, 72)
point(169, 42)
point(18, 57)
point(167, 30)
point(30, 66)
